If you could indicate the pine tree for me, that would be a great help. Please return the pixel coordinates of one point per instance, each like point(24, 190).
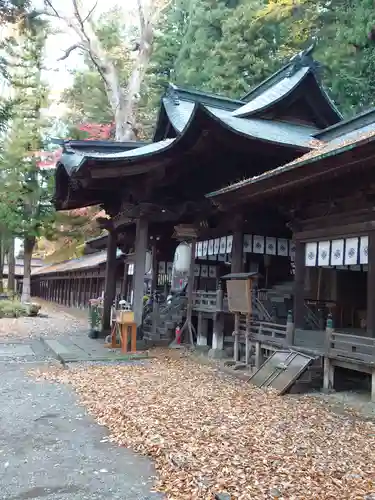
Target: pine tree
point(25, 208)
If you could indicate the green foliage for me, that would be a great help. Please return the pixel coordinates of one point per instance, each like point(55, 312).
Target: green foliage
point(227, 47)
point(12, 309)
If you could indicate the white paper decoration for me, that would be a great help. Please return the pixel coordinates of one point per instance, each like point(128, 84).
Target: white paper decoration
point(311, 250)
point(247, 243)
point(229, 243)
point(223, 245)
point(324, 253)
point(282, 247)
point(363, 250)
point(199, 249)
point(292, 249)
point(170, 267)
point(161, 267)
point(205, 248)
point(337, 252)
point(258, 244)
point(212, 271)
point(197, 269)
point(204, 271)
point(216, 246)
point(351, 252)
point(210, 247)
point(270, 245)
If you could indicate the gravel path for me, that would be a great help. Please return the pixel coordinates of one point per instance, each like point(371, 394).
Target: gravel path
point(50, 449)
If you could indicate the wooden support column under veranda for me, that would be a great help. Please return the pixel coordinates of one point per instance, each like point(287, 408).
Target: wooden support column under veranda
point(141, 241)
point(110, 279)
point(299, 285)
point(371, 285)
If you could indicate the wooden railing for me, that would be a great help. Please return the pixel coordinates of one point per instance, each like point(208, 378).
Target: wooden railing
point(204, 301)
point(352, 347)
point(263, 331)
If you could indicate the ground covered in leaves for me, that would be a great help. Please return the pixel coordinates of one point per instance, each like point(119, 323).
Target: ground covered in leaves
point(208, 433)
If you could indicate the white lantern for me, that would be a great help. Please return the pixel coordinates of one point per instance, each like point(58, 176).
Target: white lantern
point(148, 262)
point(182, 257)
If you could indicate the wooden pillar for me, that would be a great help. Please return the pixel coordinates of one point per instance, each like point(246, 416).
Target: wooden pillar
point(299, 286)
point(237, 246)
point(124, 284)
point(202, 330)
point(329, 374)
point(79, 284)
point(218, 326)
point(371, 285)
point(141, 240)
point(110, 279)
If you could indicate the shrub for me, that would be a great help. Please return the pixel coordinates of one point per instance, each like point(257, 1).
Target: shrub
point(12, 309)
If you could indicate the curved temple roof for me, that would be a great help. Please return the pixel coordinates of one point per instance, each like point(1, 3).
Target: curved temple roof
point(179, 128)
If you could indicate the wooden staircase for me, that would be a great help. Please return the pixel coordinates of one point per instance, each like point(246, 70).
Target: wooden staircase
point(167, 317)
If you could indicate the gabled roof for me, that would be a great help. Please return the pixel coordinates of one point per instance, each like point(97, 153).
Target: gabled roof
point(341, 139)
point(296, 80)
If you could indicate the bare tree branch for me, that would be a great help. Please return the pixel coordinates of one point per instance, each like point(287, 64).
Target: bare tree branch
point(68, 51)
point(90, 12)
point(50, 5)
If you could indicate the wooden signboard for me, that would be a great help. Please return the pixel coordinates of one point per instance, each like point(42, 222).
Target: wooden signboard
point(239, 289)
point(239, 296)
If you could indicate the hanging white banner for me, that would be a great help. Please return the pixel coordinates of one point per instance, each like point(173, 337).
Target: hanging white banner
point(212, 271)
point(258, 244)
point(351, 251)
point(363, 250)
point(247, 243)
point(270, 245)
point(324, 248)
point(311, 250)
point(282, 247)
point(199, 249)
point(223, 245)
point(197, 269)
point(205, 249)
point(161, 267)
point(216, 246)
point(210, 247)
point(229, 243)
point(292, 249)
point(337, 253)
point(204, 271)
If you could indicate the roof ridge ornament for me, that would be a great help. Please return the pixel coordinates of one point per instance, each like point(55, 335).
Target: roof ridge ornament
point(304, 59)
point(172, 94)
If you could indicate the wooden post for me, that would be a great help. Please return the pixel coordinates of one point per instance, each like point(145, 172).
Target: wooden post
point(202, 330)
point(218, 323)
point(371, 285)
point(258, 355)
point(329, 369)
point(237, 246)
point(289, 329)
point(299, 286)
point(110, 279)
point(236, 334)
point(188, 325)
point(141, 240)
point(373, 386)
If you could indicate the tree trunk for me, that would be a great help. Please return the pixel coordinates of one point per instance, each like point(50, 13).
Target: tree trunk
point(2, 256)
point(11, 267)
point(133, 89)
point(115, 93)
point(29, 243)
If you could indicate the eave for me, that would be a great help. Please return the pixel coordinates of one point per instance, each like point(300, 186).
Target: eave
point(297, 174)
